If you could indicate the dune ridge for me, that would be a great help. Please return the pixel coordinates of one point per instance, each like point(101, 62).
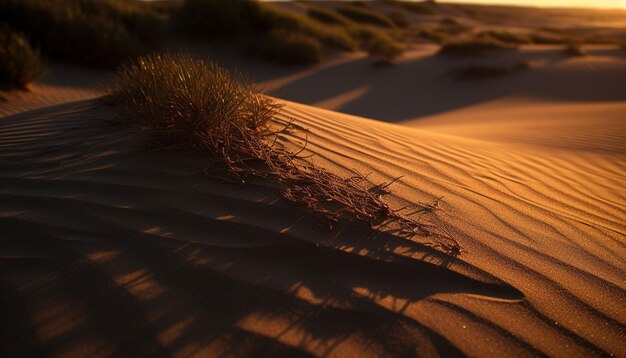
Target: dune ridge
point(115, 248)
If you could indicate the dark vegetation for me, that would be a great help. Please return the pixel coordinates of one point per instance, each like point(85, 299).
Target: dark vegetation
point(448, 29)
point(183, 102)
point(286, 47)
point(259, 24)
point(100, 33)
point(19, 62)
point(269, 32)
point(328, 16)
point(574, 50)
point(476, 72)
point(366, 16)
point(476, 46)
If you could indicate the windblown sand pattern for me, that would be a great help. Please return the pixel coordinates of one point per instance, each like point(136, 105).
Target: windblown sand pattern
point(112, 248)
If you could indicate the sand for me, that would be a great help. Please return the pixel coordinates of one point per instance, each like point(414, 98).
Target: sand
point(113, 248)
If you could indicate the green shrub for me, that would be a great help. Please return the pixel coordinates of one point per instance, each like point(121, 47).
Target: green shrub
point(20, 64)
point(328, 16)
point(180, 100)
point(101, 33)
point(364, 15)
point(286, 47)
point(474, 47)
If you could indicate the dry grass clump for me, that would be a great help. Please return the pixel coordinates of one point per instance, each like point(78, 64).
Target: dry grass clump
point(273, 18)
point(225, 19)
point(477, 46)
point(286, 47)
point(20, 64)
point(185, 102)
point(378, 43)
point(384, 50)
point(448, 29)
point(328, 16)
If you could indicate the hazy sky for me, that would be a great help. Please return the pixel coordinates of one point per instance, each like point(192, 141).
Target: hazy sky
point(549, 3)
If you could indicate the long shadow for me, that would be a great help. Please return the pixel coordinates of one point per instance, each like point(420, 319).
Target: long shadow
point(92, 277)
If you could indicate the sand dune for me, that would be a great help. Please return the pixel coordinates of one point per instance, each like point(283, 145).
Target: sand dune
point(113, 248)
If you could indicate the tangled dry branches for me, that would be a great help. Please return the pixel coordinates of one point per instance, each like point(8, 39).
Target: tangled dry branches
point(189, 102)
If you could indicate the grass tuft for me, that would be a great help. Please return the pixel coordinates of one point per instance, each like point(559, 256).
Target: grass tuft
point(224, 19)
point(366, 16)
point(328, 16)
point(185, 102)
point(20, 64)
point(477, 46)
point(291, 48)
point(100, 33)
point(181, 100)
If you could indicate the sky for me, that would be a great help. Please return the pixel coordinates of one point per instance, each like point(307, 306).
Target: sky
point(619, 4)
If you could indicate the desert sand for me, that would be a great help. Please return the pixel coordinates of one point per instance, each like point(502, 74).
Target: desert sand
point(113, 248)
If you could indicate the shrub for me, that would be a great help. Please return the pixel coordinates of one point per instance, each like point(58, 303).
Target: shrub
point(286, 47)
point(19, 63)
point(380, 46)
point(434, 34)
point(448, 21)
point(364, 15)
point(191, 103)
point(474, 47)
point(328, 16)
point(181, 100)
point(101, 33)
point(273, 18)
point(211, 19)
point(384, 49)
